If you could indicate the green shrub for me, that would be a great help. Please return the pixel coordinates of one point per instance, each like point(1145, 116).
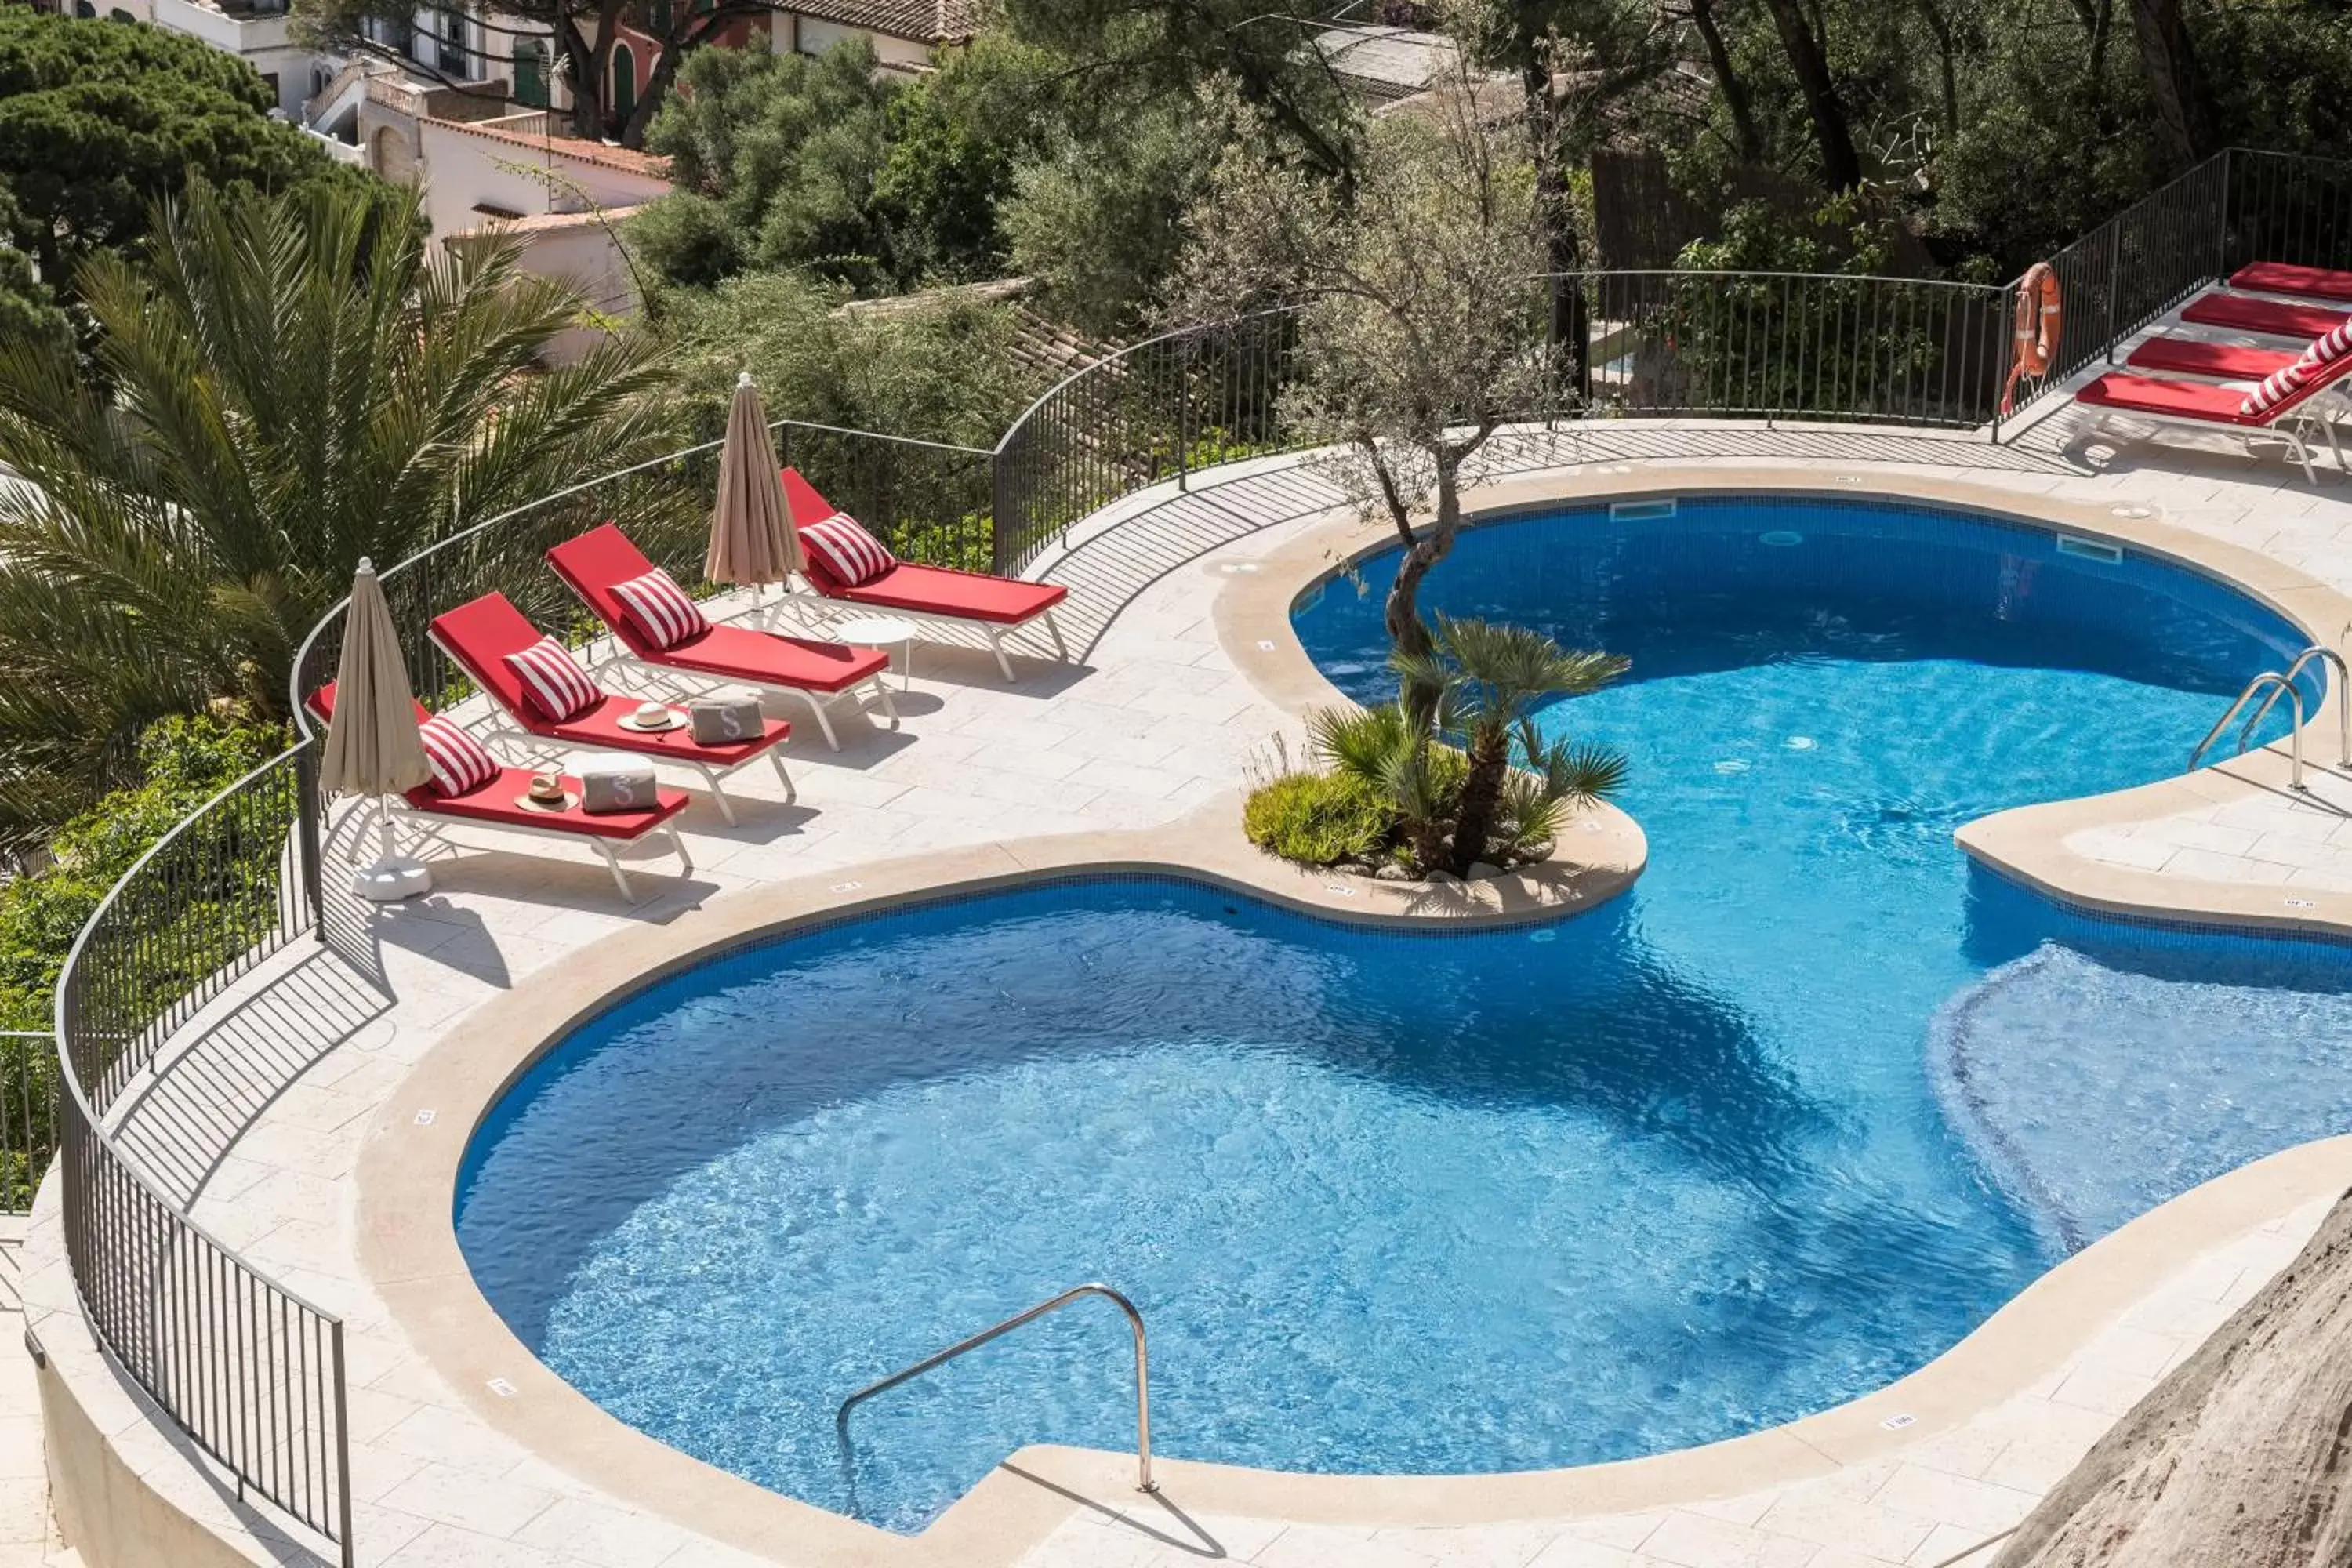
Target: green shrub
point(1315, 818)
point(183, 762)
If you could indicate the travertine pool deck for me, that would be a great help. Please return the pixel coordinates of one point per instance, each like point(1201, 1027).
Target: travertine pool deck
point(276, 1098)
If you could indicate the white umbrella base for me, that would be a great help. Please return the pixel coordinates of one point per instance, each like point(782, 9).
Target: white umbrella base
point(391, 880)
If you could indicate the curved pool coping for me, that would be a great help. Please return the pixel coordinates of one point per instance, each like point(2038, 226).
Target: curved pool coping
point(408, 1165)
point(2026, 844)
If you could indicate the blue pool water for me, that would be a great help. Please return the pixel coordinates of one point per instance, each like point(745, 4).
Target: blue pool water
point(1780, 1125)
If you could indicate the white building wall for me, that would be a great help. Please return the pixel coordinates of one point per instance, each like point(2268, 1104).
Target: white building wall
point(463, 172)
point(818, 35)
point(263, 42)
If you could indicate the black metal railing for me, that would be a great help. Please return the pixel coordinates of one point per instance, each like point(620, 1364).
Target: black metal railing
point(2286, 207)
point(1793, 346)
point(28, 1115)
point(248, 1369)
point(2136, 266)
point(1660, 344)
point(1156, 410)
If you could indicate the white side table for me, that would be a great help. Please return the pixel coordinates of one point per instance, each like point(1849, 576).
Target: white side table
point(882, 631)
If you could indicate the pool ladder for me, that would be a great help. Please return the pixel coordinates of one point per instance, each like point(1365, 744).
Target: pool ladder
point(2270, 686)
point(1143, 1481)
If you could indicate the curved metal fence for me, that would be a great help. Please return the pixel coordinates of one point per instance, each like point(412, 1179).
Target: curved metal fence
point(1663, 343)
point(253, 1372)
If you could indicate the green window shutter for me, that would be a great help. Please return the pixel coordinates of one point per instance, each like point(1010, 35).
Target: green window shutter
point(530, 74)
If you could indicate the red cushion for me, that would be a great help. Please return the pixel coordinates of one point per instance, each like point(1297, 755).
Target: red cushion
point(2186, 357)
point(479, 634)
point(602, 726)
point(2182, 399)
point(495, 803)
point(765, 659)
point(2273, 317)
point(965, 595)
point(2279, 278)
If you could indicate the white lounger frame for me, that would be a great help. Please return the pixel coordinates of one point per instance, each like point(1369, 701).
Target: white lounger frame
point(503, 725)
point(994, 631)
point(430, 826)
point(2308, 413)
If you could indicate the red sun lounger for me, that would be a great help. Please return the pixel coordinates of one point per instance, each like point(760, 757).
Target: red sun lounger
point(992, 605)
point(2308, 283)
point(2271, 317)
point(2191, 405)
point(2218, 362)
point(479, 636)
point(425, 810)
point(819, 673)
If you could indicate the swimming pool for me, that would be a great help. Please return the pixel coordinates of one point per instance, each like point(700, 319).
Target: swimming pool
point(1779, 1125)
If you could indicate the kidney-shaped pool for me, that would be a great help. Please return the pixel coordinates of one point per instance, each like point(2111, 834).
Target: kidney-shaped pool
point(1781, 1124)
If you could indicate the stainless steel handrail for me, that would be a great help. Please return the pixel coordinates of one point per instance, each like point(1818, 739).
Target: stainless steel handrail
point(2343, 700)
point(2268, 680)
point(1143, 1481)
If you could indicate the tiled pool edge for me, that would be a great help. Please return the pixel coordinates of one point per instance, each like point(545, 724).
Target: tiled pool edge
point(409, 1162)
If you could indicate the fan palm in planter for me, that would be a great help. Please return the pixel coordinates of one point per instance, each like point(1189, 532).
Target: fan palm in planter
point(290, 384)
point(1489, 681)
point(1502, 791)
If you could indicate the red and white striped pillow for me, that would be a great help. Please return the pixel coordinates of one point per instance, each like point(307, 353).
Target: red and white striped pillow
point(660, 609)
point(552, 681)
point(2281, 384)
point(460, 764)
point(2275, 389)
point(846, 551)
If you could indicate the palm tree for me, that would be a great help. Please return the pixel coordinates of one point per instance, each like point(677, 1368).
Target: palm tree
point(1489, 680)
point(283, 385)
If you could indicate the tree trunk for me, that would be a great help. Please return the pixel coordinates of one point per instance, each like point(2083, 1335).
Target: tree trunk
point(1481, 788)
point(1563, 248)
point(1941, 25)
point(632, 130)
point(587, 85)
point(2239, 1459)
point(2102, 29)
point(2172, 79)
point(1746, 139)
point(1401, 613)
point(1840, 166)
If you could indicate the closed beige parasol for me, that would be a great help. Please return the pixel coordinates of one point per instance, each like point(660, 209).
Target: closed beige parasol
point(372, 743)
point(752, 540)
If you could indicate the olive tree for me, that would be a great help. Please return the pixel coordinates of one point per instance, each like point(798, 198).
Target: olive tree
point(1419, 302)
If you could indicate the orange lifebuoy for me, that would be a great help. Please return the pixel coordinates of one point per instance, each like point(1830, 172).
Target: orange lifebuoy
point(2040, 317)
